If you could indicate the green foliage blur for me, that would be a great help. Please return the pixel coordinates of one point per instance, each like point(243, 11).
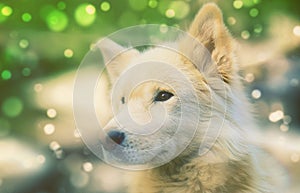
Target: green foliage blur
point(35, 34)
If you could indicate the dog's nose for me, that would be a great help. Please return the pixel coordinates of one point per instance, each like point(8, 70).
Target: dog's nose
point(117, 136)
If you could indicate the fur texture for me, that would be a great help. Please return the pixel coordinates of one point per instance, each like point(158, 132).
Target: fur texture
point(232, 164)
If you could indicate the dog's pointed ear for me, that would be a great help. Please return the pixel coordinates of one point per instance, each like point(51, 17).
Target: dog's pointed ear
point(209, 29)
point(115, 56)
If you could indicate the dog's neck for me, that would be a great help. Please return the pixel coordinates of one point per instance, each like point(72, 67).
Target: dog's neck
point(197, 175)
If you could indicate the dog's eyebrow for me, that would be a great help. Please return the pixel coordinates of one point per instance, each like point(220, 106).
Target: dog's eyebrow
point(160, 89)
point(157, 90)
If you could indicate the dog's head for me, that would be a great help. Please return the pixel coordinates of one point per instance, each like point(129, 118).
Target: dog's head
point(162, 99)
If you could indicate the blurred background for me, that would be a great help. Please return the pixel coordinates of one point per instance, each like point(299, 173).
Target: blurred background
point(43, 42)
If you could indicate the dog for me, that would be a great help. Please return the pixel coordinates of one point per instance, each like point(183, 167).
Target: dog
point(184, 121)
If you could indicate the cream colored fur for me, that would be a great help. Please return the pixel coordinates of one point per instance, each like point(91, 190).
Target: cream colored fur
point(232, 164)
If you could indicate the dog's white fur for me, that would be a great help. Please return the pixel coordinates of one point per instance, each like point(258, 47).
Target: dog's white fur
point(232, 164)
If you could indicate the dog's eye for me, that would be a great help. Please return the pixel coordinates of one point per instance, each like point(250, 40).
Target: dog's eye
point(123, 100)
point(163, 96)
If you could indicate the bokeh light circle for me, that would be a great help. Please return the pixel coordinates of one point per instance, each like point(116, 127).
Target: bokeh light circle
point(152, 3)
point(61, 5)
point(85, 14)
point(12, 107)
point(253, 12)
point(238, 4)
point(24, 43)
point(68, 53)
point(105, 6)
point(26, 17)
point(57, 20)
point(6, 75)
point(181, 9)
point(26, 71)
point(6, 11)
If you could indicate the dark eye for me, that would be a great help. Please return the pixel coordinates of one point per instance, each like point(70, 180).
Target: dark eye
point(123, 100)
point(163, 96)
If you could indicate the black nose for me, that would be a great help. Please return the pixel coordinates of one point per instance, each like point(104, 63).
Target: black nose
point(117, 136)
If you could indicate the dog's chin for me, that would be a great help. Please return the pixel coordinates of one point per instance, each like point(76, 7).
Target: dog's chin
point(130, 158)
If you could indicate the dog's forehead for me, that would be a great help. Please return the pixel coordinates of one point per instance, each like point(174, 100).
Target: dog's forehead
point(162, 55)
point(154, 63)
point(169, 57)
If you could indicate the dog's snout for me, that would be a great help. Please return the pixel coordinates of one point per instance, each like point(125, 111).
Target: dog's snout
point(117, 136)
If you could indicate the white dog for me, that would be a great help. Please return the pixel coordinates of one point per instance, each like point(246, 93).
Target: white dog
point(184, 117)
